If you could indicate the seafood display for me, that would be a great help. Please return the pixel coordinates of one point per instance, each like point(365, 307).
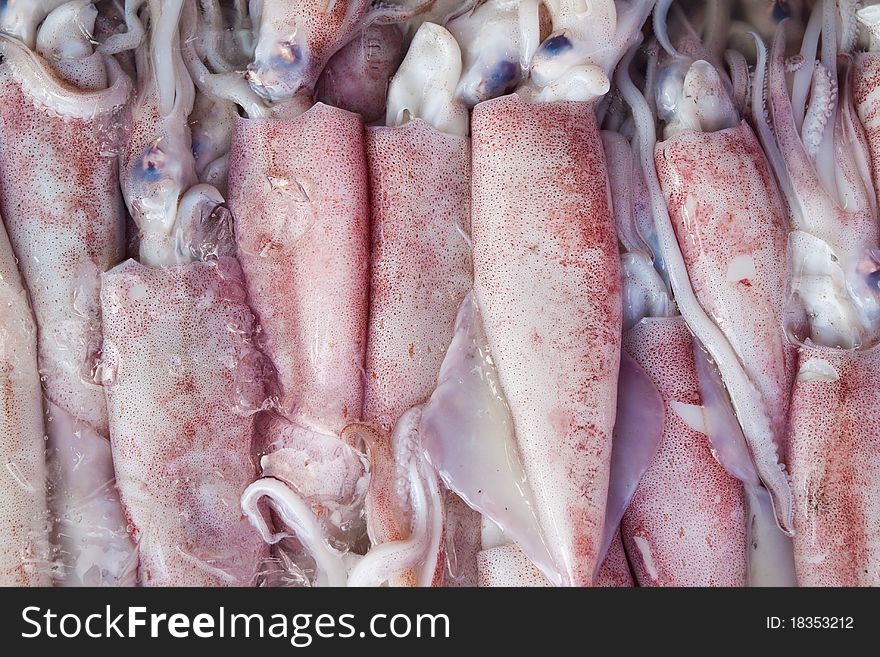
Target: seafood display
point(441, 293)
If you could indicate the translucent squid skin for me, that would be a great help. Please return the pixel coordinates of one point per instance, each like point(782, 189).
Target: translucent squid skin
point(866, 97)
point(547, 278)
point(298, 193)
point(731, 226)
point(834, 456)
point(183, 386)
point(24, 545)
point(421, 261)
point(356, 78)
point(685, 525)
point(61, 204)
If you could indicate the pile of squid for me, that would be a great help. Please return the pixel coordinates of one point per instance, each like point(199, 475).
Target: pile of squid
point(439, 293)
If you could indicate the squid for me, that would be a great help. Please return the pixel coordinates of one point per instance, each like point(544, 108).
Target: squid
point(547, 274)
point(687, 229)
point(498, 40)
point(295, 40)
point(467, 433)
point(60, 201)
point(303, 240)
point(24, 515)
point(183, 377)
point(864, 84)
point(821, 157)
point(730, 227)
point(684, 524)
point(421, 269)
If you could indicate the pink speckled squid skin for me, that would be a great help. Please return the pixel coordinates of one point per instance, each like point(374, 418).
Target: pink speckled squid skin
point(462, 542)
point(615, 570)
point(508, 565)
point(24, 536)
point(421, 264)
point(63, 210)
point(834, 460)
point(60, 200)
point(547, 279)
point(184, 381)
point(732, 229)
point(866, 97)
point(685, 525)
point(298, 192)
point(421, 261)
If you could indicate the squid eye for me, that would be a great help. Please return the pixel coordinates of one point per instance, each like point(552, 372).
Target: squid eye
point(502, 74)
point(556, 45)
point(286, 53)
point(151, 164)
point(781, 10)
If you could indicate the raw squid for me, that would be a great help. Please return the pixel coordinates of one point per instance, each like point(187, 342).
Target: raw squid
point(686, 524)
point(182, 374)
point(299, 194)
point(294, 41)
point(835, 467)
point(24, 520)
point(546, 275)
point(866, 89)
point(302, 234)
point(557, 369)
point(421, 262)
point(60, 200)
point(466, 320)
point(183, 381)
point(821, 157)
point(769, 557)
point(730, 224)
point(467, 433)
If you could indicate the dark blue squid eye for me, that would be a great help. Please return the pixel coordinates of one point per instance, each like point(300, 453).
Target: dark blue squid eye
point(556, 45)
point(502, 75)
point(151, 164)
